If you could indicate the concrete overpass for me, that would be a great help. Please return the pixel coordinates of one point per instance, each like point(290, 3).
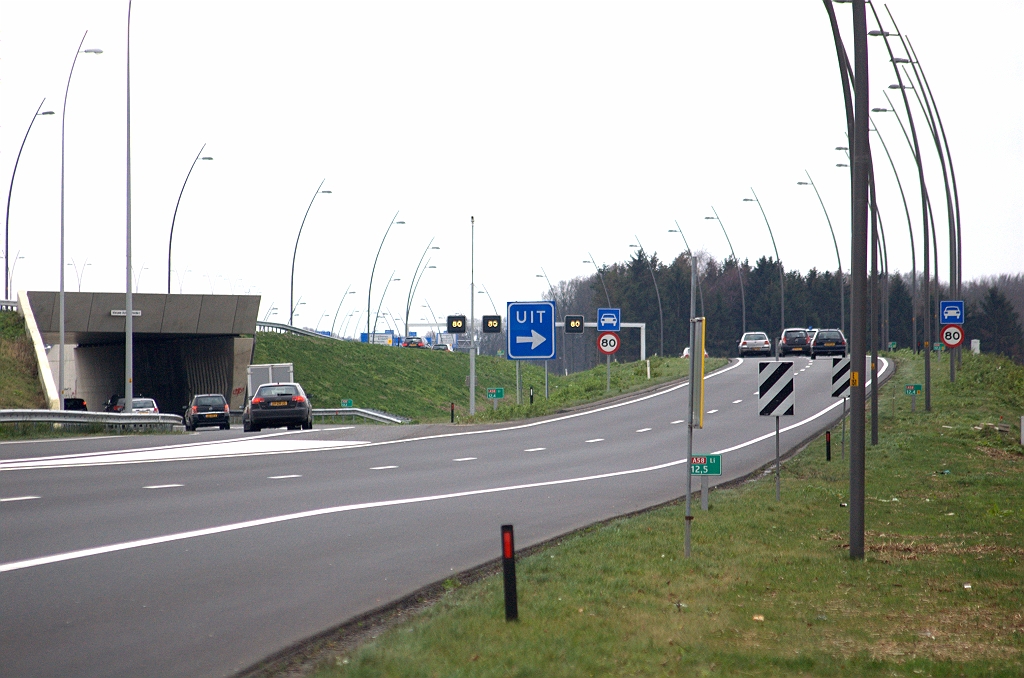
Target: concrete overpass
point(183, 344)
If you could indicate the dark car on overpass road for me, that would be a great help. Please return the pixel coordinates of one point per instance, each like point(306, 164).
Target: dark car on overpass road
point(208, 409)
point(275, 405)
point(828, 342)
point(795, 340)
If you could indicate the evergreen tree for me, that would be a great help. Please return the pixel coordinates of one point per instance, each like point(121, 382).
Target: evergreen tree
point(997, 325)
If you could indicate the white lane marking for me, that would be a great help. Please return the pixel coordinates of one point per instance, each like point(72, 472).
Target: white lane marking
point(105, 458)
point(757, 393)
point(643, 430)
point(124, 546)
point(535, 449)
point(57, 440)
point(465, 459)
point(594, 440)
point(737, 402)
point(381, 468)
point(337, 428)
point(162, 487)
point(711, 411)
point(19, 498)
point(239, 447)
point(679, 421)
point(294, 475)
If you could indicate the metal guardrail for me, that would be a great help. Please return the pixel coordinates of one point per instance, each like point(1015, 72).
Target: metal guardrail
point(264, 326)
point(79, 417)
point(8, 305)
point(376, 415)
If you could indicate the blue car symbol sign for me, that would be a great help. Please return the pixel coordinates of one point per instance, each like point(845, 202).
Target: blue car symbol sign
point(608, 319)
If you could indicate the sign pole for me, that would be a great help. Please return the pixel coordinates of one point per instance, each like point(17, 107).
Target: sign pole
point(472, 321)
point(778, 470)
point(689, 410)
point(519, 386)
point(608, 374)
point(844, 430)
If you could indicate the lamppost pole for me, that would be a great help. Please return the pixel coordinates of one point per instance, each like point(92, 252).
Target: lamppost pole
point(693, 262)
point(64, 115)
point(7, 223)
point(782, 272)
point(472, 317)
point(170, 238)
point(739, 267)
point(369, 286)
point(414, 283)
point(842, 282)
point(343, 297)
point(600, 275)
point(391, 279)
point(661, 317)
point(295, 252)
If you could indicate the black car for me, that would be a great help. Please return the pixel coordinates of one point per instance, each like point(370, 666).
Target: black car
point(828, 342)
point(795, 340)
point(75, 405)
point(275, 405)
point(209, 409)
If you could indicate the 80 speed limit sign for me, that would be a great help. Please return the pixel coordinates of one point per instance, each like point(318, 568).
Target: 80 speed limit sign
point(608, 343)
point(952, 335)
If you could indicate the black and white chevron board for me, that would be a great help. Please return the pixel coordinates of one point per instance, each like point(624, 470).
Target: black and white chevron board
point(840, 377)
point(775, 393)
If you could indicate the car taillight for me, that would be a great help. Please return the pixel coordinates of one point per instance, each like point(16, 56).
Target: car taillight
point(298, 399)
point(257, 400)
point(226, 408)
point(195, 409)
point(118, 408)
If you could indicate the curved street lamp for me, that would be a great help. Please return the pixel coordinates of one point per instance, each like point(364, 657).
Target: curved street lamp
point(693, 262)
point(369, 286)
point(391, 279)
point(842, 281)
point(661, 317)
point(782, 273)
point(170, 238)
point(64, 115)
point(291, 297)
point(739, 267)
point(7, 224)
point(343, 297)
point(417, 276)
point(600, 274)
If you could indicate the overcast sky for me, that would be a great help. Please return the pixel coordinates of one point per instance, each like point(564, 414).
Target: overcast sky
point(562, 127)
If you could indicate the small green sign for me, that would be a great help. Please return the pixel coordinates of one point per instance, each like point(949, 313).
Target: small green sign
point(495, 393)
point(892, 345)
point(346, 403)
point(913, 389)
point(710, 465)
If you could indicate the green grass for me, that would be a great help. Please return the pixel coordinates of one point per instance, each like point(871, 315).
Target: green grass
point(19, 380)
point(421, 384)
point(619, 599)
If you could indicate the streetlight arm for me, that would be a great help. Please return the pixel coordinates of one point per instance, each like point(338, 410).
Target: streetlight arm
point(7, 223)
point(369, 287)
point(170, 238)
point(291, 298)
point(415, 283)
point(693, 262)
point(601, 276)
point(390, 278)
point(739, 268)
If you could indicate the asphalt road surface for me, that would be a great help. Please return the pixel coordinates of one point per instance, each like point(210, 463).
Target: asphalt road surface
point(201, 554)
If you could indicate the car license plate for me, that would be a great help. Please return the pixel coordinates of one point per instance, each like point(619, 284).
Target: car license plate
point(830, 343)
point(211, 416)
point(279, 403)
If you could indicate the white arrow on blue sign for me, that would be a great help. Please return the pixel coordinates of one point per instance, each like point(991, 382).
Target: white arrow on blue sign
point(608, 319)
point(531, 330)
point(951, 312)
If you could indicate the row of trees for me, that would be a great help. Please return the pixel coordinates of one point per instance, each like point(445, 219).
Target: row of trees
point(812, 300)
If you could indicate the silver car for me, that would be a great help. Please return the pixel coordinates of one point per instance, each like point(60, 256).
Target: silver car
point(754, 343)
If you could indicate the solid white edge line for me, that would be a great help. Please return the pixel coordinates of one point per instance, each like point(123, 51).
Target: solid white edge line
point(19, 498)
point(151, 541)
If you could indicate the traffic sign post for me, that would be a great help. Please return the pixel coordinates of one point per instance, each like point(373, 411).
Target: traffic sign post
point(841, 388)
point(346, 402)
point(609, 319)
point(776, 396)
point(531, 330)
point(710, 465)
point(495, 394)
point(952, 335)
point(608, 343)
point(912, 391)
point(951, 312)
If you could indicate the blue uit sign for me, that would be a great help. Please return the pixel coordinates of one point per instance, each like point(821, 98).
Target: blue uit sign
point(531, 330)
point(951, 312)
point(608, 319)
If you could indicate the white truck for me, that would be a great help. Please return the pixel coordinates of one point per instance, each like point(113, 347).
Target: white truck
point(273, 373)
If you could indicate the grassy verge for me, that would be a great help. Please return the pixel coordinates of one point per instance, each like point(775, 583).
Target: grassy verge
point(770, 589)
point(19, 380)
point(421, 384)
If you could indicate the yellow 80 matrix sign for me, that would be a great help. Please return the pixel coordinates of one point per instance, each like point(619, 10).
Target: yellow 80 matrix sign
point(574, 324)
point(456, 324)
point(492, 324)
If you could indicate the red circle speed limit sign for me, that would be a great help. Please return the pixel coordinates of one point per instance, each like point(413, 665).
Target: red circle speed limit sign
point(608, 343)
point(952, 335)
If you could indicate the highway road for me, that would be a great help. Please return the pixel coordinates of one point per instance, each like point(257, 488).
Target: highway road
point(201, 554)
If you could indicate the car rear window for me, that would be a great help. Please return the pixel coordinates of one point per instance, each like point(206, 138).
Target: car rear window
point(829, 336)
point(281, 390)
point(211, 401)
point(143, 403)
point(795, 334)
point(755, 336)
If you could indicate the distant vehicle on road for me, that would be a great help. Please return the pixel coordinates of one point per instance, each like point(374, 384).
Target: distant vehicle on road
point(139, 406)
point(75, 405)
point(686, 352)
point(414, 342)
point(754, 343)
point(208, 409)
point(795, 340)
point(828, 342)
point(276, 405)
point(441, 347)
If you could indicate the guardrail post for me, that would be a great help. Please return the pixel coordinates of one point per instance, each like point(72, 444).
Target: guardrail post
point(508, 566)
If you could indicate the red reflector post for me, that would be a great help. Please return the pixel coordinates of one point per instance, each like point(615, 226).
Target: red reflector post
point(508, 566)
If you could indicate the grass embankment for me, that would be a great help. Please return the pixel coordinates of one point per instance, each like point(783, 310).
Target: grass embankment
point(769, 589)
point(421, 384)
point(19, 378)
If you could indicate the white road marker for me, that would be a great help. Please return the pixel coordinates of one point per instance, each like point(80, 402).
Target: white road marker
point(295, 475)
point(679, 421)
point(18, 498)
point(594, 440)
point(711, 411)
point(535, 449)
point(161, 487)
point(737, 402)
point(643, 430)
point(381, 468)
point(465, 459)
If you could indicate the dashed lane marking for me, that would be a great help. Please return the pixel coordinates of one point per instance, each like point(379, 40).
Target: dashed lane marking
point(294, 475)
point(737, 402)
point(679, 421)
point(595, 440)
point(18, 498)
point(381, 468)
point(162, 487)
point(535, 449)
point(465, 459)
point(711, 411)
point(643, 430)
